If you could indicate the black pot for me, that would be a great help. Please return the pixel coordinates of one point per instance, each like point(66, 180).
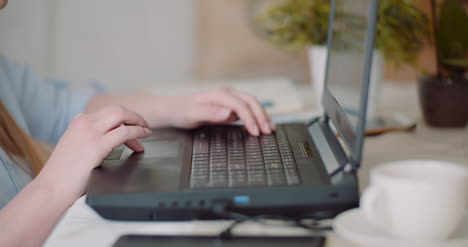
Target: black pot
point(444, 101)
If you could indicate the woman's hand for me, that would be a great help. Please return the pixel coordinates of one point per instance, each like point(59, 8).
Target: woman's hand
point(219, 106)
point(216, 106)
point(87, 142)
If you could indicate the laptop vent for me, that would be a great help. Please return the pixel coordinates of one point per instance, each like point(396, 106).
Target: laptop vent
point(183, 204)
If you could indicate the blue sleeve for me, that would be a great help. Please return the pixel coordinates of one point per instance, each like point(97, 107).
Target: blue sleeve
point(48, 105)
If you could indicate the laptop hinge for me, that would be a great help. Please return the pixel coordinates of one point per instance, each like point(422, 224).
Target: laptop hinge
point(329, 148)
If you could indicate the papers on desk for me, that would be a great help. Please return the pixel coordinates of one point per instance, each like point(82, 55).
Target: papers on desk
point(277, 95)
point(297, 117)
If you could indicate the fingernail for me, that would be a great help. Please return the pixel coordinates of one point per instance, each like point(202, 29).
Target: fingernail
point(267, 128)
point(224, 113)
point(148, 131)
point(255, 130)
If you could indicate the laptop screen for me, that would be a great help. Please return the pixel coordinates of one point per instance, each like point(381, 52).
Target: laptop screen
point(348, 68)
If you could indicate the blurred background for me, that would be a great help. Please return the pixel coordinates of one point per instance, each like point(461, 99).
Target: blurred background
point(133, 44)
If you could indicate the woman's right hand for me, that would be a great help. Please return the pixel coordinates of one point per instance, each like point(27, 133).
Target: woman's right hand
point(89, 139)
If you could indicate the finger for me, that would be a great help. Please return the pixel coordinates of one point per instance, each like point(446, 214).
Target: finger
point(135, 145)
point(262, 118)
point(232, 118)
point(112, 117)
point(126, 134)
point(226, 98)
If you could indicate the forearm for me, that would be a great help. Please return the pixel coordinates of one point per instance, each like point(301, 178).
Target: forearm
point(154, 109)
point(31, 216)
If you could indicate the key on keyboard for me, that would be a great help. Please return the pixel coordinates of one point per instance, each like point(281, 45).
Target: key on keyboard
point(230, 157)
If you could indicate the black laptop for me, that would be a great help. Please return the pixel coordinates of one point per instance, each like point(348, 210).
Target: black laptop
point(299, 171)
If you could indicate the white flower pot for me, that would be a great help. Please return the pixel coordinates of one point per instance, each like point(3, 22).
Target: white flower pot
point(317, 62)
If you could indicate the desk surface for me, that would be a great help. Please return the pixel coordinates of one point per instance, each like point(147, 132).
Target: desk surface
point(82, 227)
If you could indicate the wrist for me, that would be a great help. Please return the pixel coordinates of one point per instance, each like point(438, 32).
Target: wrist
point(56, 192)
point(160, 111)
point(156, 110)
point(62, 186)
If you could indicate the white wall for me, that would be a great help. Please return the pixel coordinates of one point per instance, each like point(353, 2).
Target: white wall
point(23, 32)
point(124, 44)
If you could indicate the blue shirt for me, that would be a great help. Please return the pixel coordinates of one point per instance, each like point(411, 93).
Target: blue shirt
point(42, 107)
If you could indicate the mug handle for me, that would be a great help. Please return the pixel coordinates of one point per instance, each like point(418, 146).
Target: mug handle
point(375, 213)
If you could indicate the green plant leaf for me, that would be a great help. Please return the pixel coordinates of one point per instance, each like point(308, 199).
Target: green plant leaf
point(456, 62)
point(402, 28)
point(452, 31)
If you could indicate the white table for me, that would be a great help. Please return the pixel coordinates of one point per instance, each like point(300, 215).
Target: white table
point(82, 227)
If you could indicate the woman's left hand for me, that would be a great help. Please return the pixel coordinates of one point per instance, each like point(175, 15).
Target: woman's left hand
point(219, 106)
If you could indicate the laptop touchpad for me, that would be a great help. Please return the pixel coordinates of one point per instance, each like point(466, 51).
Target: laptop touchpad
point(156, 149)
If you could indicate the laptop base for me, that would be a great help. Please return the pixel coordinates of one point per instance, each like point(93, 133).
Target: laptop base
point(296, 203)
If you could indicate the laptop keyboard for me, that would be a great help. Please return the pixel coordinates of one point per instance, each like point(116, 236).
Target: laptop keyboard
point(230, 157)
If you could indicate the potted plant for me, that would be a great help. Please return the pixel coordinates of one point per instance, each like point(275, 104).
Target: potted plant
point(303, 24)
point(443, 95)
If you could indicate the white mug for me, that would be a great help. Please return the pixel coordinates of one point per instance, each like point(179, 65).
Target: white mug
point(416, 199)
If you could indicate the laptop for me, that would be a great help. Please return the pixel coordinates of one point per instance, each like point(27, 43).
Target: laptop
point(213, 172)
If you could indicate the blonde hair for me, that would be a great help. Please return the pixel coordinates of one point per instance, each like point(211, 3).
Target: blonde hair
point(18, 145)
